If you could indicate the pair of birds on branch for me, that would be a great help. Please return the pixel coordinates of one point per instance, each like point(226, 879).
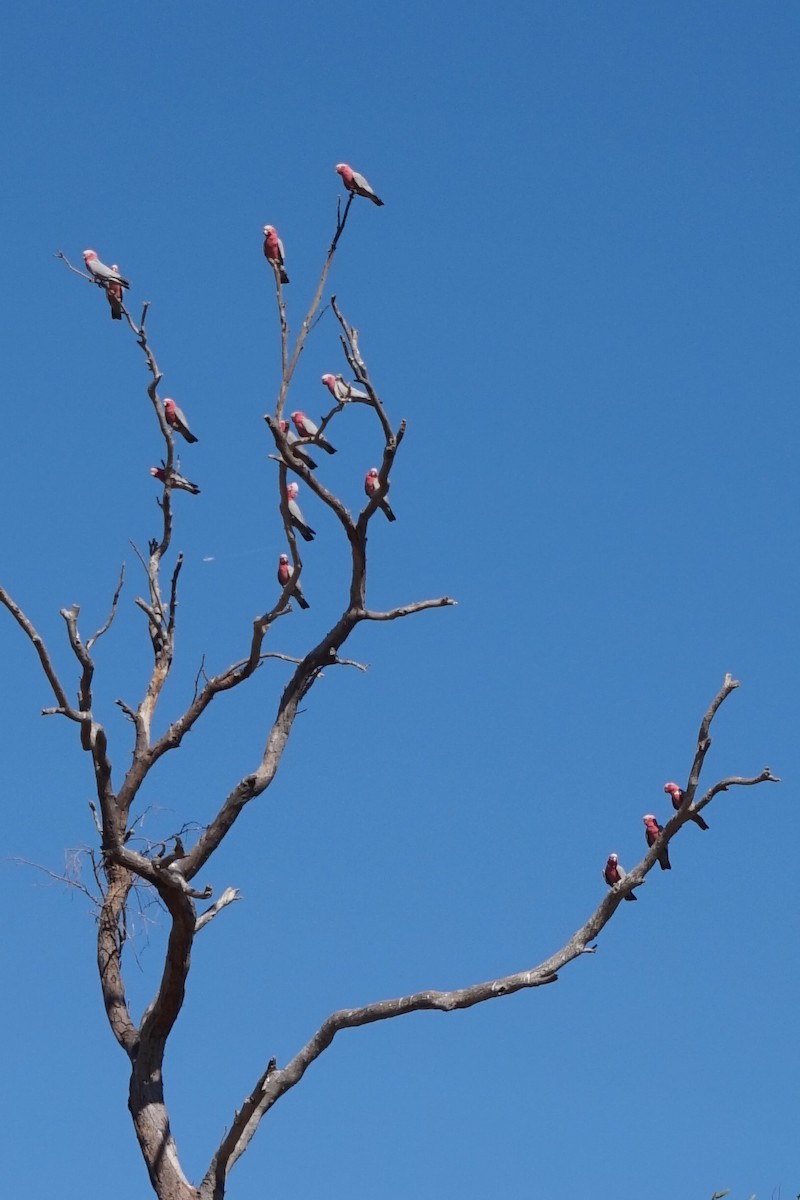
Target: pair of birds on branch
point(177, 422)
point(372, 488)
point(614, 872)
point(307, 429)
point(356, 185)
point(108, 278)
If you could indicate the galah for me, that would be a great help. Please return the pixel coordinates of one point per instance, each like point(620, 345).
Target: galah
point(300, 453)
point(273, 250)
point(356, 183)
point(307, 429)
point(373, 488)
point(285, 573)
point(614, 872)
point(100, 272)
point(114, 296)
point(343, 391)
point(678, 796)
point(177, 421)
point(176, 480)
point(298, 520)
point(652, 829)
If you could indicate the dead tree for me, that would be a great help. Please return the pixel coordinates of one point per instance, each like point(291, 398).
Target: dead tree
point(171, 868)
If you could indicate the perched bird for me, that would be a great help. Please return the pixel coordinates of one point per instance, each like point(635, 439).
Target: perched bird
point(177, 421)
point(373, 488)
point(100, 272)
point(613, 872)
point(114, 296)
point(285, 573)
point(678, 796)
point(176, 480)
point(298, 519)
point(307, 429)
point(341, 390)
point(273, 250)
point(651, 831)
point(299, 451)
point(356, 183)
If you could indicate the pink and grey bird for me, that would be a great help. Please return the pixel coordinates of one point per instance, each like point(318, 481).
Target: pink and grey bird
point(298, 520)
point(357, 184)
point(652, 829)
point(273, 250)
point(285, 573)
point(342, 391)
point(613, 872)
point(678, 796)
point(291, 438)
point(114, 296)
point(373, 488)
point(176, 480)
point(307, 429)
point(177, 421)
point(100, 272)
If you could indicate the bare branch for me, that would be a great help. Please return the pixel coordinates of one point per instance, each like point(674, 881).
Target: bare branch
point(359, 369)
point(201, 672)
point(289, 368)
point(104, 628)
point(277, 267)
point(70, 616)
point(44, 658)
point(173, 596)
point(156, 618)
point(231, 1146)
point(350, 662)
point(138, 554)
point(270, 1089)
point(703, 740)
point(68, 880)
point(406, 610)
point(145, 754)
point(129, 712)
point(228, 897)
point(110, 942)
point(162, 1012)
point(275, 1083)
point(97, 825)
point(766, 776)
point(89, 278)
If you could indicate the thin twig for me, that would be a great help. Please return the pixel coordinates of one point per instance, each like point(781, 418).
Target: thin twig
point(89, 278)
point(104, 628)
point(67, 880)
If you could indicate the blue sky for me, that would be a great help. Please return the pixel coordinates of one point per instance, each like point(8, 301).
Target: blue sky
point(582, 295)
